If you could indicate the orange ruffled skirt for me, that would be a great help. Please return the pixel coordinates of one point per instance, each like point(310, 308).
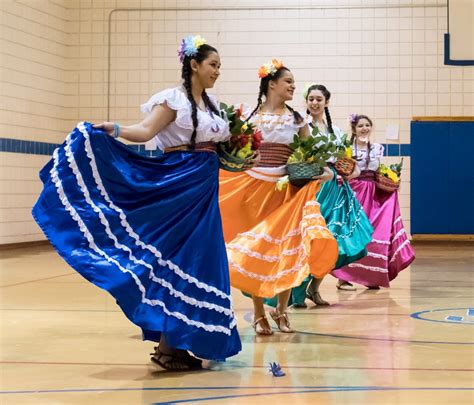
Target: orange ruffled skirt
point(274, 239)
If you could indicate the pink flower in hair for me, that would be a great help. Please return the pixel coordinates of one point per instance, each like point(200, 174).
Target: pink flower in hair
point(353, 118)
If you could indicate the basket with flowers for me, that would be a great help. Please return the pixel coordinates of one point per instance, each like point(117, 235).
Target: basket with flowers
point(309, 157)
point(238, 153)
point(387, 178)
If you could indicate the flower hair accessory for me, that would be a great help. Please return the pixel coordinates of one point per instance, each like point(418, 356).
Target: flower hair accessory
point(353, 118)
point(190, 46)
point(306, 89)
point(269, 69)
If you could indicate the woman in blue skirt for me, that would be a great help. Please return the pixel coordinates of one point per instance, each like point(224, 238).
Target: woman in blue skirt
point(148, 230)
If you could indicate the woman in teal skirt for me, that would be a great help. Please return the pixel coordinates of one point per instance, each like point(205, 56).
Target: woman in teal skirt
point(344, 215)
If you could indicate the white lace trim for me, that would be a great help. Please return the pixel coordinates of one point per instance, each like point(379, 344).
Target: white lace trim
point(132, 233)
point(83, 228)
point(398, 250)
point(397, 220)
point(398, 234)
point(381, 242)
point(289, 235)
point(351, 230)
point(266, 258)
point(261, 277)
point(371, 268)
point(118, 245)
point(377, 255)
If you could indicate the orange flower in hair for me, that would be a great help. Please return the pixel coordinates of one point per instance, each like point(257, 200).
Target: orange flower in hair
point(269, 69)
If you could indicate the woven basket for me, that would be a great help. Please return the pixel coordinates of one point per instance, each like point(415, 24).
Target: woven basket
point(385, 184)
point(229, 162)
point(302, 173)
point(345, 166)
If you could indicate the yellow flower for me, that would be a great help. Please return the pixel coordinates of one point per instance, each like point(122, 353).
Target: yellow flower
point(348, 152)
point(282, 183)
point(244, 128)
point(198, 41)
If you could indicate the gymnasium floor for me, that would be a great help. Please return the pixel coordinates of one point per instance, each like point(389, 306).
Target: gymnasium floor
point(63, 341)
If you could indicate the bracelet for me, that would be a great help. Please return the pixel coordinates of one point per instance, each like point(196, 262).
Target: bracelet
point(116, 132)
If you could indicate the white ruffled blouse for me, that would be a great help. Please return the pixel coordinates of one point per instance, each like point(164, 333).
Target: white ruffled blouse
point(276, 128)
point(210, 127)
point(376, 152)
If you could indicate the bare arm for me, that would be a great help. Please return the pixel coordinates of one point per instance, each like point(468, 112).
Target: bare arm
point(160, 116)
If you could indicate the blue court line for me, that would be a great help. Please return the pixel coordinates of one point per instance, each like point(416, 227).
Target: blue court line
point(340, 389)
point(417, 315)
point(303, 387)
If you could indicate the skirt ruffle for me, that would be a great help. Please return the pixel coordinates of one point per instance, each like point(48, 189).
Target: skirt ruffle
point(347, 222)
point(390, 251)
point(148, 231)
point(274, 239)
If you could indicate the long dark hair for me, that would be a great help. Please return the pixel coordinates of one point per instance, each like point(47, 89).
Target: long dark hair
point(186, 72)
point(327, 95)
point(354, 123)
point(263, 91)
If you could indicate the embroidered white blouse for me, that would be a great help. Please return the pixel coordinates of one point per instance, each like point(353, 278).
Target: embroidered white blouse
point(376, 152)
point(210, 127)
point(276, 128)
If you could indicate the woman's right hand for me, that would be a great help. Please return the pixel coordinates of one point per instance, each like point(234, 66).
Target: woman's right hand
point(106, 126)
point(326, 176)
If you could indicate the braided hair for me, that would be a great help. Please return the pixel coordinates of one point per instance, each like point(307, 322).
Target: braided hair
point(327, 95)
point(263, 91)
point(353, 136)
point(186, 72)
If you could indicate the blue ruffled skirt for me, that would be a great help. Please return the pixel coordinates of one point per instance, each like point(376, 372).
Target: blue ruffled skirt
point(148, 231)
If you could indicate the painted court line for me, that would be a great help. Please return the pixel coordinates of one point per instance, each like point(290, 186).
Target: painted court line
point(230, 366)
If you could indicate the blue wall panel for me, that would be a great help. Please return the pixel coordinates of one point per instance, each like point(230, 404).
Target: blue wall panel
point(442, 181)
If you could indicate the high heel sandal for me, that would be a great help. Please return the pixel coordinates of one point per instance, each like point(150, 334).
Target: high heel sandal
point(262, 331)
point(282, 322)
point(177, 361)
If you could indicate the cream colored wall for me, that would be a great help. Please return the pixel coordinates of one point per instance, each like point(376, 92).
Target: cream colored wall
point(37, 102)
point(381, 58)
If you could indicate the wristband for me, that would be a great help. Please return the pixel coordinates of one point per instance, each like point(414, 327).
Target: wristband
point(116, 132)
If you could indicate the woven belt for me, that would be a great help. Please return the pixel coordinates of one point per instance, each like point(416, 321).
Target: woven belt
point(367, 175)
point(199, 147)
point(273, 154)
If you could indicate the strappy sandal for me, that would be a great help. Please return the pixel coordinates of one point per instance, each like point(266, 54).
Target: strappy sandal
point(282, 322)
point(262, 331)
point(316, 298)
point(177, 361)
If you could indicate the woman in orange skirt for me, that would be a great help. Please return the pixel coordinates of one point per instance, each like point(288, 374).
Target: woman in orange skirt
point(274, 239)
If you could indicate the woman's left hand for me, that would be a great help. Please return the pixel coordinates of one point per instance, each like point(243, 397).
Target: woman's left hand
point(327, 175)
point(252, 161)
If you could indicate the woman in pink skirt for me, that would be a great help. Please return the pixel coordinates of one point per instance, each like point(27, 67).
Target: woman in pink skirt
point(390, 251)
